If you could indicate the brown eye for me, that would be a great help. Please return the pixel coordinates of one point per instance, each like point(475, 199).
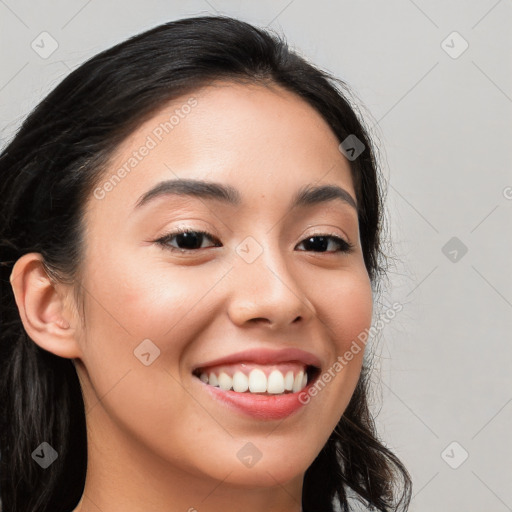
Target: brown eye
point(187, 240)
point(320, 243)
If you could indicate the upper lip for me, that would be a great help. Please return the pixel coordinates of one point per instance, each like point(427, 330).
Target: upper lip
point(265, 356)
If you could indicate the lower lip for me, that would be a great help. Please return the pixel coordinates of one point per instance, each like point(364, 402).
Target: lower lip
point(263, 407)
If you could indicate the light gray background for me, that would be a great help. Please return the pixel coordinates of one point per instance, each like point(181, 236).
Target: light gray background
point(444, 126)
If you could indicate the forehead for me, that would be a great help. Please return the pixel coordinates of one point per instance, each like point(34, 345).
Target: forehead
point(264, 140)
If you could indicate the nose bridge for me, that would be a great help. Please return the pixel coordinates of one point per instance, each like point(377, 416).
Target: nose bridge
point(265, 288)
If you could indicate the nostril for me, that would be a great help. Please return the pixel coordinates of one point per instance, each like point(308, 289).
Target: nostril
point(259, 319)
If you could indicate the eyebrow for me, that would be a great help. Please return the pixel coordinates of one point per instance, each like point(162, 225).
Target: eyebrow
point(306, 196)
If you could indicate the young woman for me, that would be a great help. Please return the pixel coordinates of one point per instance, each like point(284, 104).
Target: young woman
point(190, 231)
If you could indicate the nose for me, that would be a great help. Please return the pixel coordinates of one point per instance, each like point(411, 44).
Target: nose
point(266, 292)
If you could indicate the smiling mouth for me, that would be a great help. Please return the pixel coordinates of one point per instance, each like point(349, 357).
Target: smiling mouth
point(256, 379)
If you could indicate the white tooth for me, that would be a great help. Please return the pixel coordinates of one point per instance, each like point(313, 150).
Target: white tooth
point(225, 381)
point(288, 381)
point(297, 382)
point(304, 381)
point(240, 382)
point(204, 377)
point(212, 379)
point(275, 382)
point(257, 381)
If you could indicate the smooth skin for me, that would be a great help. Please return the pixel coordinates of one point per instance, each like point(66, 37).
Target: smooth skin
point(156, 440)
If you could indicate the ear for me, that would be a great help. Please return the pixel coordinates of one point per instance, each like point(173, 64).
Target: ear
point(43, 307)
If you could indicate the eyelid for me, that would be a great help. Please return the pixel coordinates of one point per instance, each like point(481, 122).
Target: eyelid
point(327, 229)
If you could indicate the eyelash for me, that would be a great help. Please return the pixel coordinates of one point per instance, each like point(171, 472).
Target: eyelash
point(345, 247)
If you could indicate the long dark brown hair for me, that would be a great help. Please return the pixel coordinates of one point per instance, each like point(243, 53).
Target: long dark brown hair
point(47, 173)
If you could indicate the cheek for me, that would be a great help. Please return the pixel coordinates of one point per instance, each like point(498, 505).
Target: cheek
point(132, 311)
point(124, 310)
point(343, 303)
point(345, 308)
point(152, 301)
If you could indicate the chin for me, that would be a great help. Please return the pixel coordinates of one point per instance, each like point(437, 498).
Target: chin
point(278, 468)
point(263, 475)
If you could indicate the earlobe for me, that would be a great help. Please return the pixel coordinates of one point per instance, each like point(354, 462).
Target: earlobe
point(42, 307)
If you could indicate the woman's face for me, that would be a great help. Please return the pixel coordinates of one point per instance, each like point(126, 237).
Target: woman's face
point(262, 288)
